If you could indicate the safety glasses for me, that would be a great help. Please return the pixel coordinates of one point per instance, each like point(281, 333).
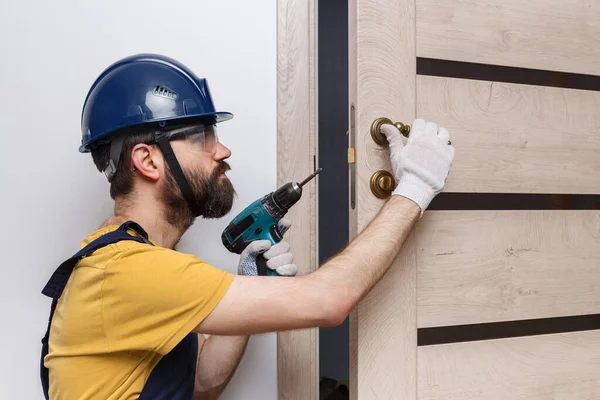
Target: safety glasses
point(198, 138)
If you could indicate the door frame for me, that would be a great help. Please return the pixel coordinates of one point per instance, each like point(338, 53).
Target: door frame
point(297, 351)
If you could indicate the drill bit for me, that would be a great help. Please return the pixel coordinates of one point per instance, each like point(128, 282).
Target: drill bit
point(311, 176)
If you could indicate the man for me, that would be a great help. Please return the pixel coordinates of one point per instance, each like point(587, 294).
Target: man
point(130, 311)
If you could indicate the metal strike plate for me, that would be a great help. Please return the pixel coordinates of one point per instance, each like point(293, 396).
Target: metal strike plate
point(352, 165)
point(351, 156)
point(382, 184)
point(379, 137)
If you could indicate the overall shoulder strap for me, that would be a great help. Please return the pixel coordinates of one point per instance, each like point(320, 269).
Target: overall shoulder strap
point(56, 285)
point(60, 277)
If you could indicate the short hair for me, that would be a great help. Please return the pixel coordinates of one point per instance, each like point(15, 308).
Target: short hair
point(121, 184)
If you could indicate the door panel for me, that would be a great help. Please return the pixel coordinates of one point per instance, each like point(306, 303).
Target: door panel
point(516, 138)
point(490, 266)
point(560, 367)
point(551, 35)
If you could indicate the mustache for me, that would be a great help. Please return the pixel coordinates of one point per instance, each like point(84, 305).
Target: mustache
point(221, 168)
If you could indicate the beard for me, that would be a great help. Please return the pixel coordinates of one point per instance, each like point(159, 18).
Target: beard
point(212, 194)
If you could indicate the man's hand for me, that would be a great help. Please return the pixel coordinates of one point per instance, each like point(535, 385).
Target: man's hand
point(420, 166)
point(279, 258)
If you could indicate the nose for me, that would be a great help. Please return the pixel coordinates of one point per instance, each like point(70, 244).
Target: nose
point(222, 152)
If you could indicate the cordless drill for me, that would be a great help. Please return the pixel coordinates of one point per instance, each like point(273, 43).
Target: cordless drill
point(259, 220)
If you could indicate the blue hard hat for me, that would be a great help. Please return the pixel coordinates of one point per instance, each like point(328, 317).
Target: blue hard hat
point(142, 89)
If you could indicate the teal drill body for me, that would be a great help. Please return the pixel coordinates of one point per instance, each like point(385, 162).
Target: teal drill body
point(263, 223)
point(259, 221)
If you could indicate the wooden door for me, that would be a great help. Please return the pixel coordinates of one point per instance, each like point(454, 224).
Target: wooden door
point(498, 295)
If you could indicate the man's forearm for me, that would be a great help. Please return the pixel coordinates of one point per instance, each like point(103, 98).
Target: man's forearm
point(350, 275)
point(217, 362)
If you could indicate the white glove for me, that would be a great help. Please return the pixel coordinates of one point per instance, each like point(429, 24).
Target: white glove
point(279, 258)
point(421, 166)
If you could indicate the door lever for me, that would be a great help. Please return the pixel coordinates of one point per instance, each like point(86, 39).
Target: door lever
point(379, 137)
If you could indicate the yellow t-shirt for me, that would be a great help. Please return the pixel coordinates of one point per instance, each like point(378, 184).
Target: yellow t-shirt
point(123, 309)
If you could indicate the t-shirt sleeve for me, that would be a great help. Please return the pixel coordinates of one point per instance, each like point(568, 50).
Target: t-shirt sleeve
point(153, 297)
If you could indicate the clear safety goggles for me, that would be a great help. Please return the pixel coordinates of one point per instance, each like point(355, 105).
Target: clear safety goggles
point(198, 138)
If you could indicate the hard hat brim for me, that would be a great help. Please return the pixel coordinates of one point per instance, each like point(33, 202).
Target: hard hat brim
point(217, 117)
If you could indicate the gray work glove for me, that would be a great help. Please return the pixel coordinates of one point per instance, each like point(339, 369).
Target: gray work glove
point(420, 166)
point(279, 258)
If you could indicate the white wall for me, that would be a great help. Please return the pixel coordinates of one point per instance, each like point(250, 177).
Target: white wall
point(51, 195)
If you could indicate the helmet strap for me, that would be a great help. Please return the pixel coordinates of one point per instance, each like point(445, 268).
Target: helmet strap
point(182, 182)
point(116, 145)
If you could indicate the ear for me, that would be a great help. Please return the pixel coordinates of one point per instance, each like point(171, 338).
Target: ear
point(146, 160)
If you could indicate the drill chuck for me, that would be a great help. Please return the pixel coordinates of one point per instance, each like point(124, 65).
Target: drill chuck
point(287, 195)
point(280, 201)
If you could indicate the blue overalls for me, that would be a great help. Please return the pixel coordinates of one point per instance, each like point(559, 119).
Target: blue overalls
point(173, 377)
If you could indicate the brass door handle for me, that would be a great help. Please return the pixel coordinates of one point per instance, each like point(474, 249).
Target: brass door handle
point(382, 184)
point(379, 137)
